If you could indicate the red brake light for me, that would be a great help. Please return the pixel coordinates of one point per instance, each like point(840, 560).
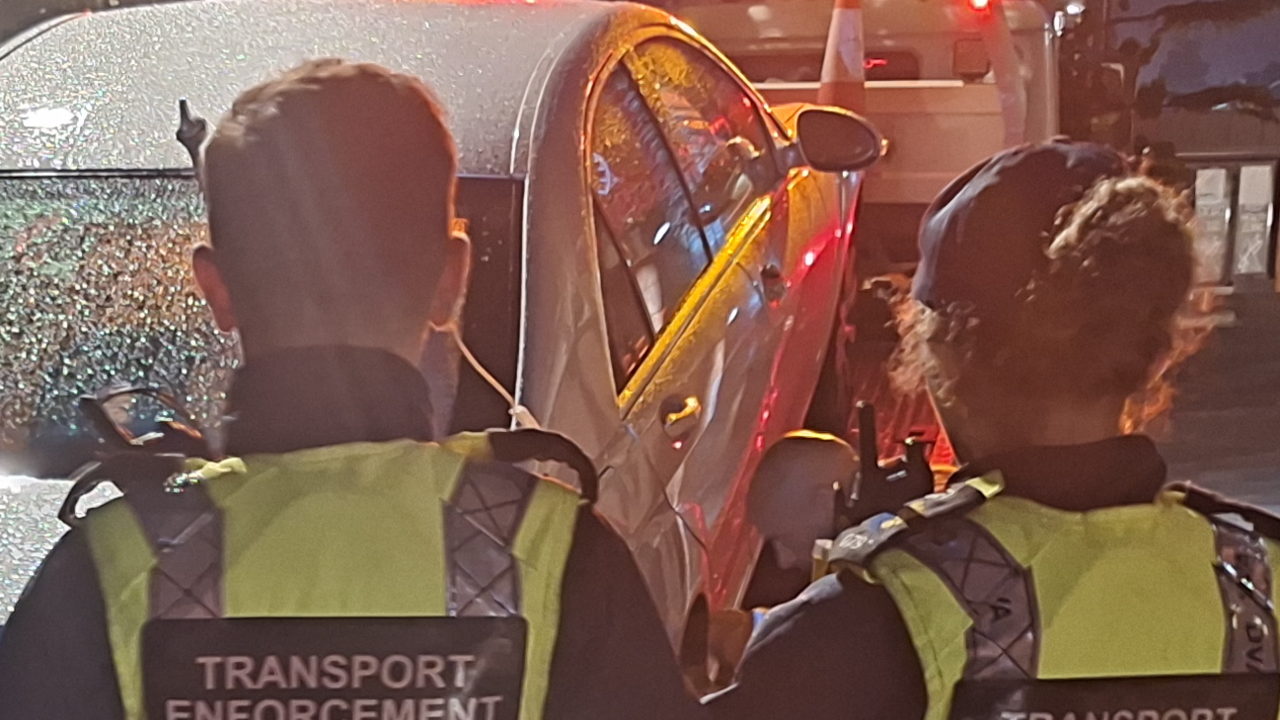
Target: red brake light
point(979, 5)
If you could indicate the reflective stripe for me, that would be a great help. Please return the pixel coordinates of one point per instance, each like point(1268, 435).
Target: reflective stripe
point(542, 548)
point(291, 535)
point(1044, 594)
point(1244, 578)
point(481, 521)
point(184, 529)
point(993, 589)
point(999, 596)
point(856, 547)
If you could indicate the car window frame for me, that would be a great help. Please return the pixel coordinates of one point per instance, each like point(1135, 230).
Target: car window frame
point(656, 334)
point(600, 222)
point(768, 122)
point(777, 131)
point(761, 127)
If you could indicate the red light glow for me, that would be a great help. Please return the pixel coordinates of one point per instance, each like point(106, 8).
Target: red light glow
point(872, 63)
point(979, 5)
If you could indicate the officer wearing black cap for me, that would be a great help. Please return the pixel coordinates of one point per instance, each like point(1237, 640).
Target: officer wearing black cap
point(1058, 577)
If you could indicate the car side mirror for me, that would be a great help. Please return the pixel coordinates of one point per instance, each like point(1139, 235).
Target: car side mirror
point(836, 140)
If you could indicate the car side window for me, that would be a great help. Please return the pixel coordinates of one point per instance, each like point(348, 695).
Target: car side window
point(645, 208)
point(716, 132)
point(625, 317)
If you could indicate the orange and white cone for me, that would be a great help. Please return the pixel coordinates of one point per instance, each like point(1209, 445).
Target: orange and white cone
point(844, 74)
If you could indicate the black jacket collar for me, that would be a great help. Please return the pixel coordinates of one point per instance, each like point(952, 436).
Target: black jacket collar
point(331, 395)
point(1077, 478)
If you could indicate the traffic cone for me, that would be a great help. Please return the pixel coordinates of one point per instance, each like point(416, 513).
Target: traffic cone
point(844, 74)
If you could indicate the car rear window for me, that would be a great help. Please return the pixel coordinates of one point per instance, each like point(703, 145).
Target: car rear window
point(95, 289)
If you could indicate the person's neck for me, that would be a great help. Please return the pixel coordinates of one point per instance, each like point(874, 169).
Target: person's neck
point(326, 395)
point(410, 351)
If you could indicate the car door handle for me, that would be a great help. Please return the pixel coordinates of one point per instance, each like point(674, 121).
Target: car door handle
point(772, 283)
point(681, 415)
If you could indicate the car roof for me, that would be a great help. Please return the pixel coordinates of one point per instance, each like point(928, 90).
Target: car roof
point(100, 90)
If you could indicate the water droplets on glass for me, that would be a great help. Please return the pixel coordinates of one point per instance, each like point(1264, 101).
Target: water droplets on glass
point(82, 96)
point(96, 289)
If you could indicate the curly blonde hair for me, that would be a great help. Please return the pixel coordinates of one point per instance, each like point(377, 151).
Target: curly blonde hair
point(1101, 319)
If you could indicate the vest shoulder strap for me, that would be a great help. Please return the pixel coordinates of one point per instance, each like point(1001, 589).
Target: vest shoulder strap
point(179, 521)
point(1212, 505)
point(517, 446)
point(1244, 572)
point(131, 472)
point(856, 547)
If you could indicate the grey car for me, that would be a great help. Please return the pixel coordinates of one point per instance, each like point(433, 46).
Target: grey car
point(658, 261)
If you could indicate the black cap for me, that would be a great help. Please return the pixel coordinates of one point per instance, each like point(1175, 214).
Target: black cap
point(983, 238)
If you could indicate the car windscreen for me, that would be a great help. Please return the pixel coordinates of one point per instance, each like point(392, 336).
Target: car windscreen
point(95, 290)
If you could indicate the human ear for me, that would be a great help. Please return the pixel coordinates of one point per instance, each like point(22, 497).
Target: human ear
point(209, 279)
point(451, 290)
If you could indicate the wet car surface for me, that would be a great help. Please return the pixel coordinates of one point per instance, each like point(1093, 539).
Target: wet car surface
point(656, 269)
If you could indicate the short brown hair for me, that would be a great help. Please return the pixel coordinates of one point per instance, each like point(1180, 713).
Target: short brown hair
point(1100, 321)
point(330, 194)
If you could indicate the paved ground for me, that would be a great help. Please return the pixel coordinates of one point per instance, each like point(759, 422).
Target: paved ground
point(1226, 421)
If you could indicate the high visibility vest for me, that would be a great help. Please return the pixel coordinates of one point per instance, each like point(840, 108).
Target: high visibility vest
point(1000, 594)
point(390, 530)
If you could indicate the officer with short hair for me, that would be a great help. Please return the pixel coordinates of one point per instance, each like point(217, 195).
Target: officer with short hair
point(1058, 578)
point(343, 565)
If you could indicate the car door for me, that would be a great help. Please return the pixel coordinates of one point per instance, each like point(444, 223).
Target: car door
point(680, 150)
point(699, 403)
point(784, 235)
point(729, 163)
point(657, 274)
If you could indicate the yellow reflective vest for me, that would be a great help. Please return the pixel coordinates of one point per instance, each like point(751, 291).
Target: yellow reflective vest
point(1000, 589)
point(358, 530)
